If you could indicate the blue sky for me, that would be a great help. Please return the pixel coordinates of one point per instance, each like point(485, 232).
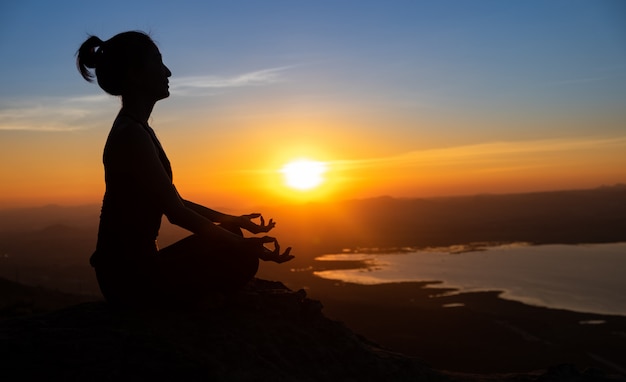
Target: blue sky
point(407, 75)
point(461, 54)
point(567, 52)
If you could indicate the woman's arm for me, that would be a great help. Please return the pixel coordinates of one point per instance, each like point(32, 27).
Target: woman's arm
point(212, 215)
point(243, 221)
point(147, 165)
point(142, 159)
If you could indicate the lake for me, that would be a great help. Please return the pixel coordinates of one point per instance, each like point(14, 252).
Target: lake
point(585, 277)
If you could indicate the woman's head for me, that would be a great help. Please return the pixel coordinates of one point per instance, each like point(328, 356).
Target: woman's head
point(122, 64)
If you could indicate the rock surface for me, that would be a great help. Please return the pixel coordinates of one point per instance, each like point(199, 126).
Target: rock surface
point(265, 333)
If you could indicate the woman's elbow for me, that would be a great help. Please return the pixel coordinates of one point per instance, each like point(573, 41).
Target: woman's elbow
point(187, 219)
point(175, 216)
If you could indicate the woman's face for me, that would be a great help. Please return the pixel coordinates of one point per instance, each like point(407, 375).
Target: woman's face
point(151, 78)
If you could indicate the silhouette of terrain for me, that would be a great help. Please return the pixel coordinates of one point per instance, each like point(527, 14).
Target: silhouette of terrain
point(19, 300)
point(267, 332)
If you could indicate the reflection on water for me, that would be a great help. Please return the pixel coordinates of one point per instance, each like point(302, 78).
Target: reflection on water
point(587, 278)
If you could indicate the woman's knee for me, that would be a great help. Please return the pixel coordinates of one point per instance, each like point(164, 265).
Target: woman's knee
point(251, 265)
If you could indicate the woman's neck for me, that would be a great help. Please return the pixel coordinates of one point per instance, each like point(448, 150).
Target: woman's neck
point(137, 109)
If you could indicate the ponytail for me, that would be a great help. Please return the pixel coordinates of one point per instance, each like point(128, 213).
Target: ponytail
point(88, 56)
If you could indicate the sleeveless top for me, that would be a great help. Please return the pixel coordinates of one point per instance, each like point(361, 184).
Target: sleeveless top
point(131, 213)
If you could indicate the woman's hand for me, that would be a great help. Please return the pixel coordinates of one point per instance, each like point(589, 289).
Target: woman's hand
point(267, 254)
point(245, 222)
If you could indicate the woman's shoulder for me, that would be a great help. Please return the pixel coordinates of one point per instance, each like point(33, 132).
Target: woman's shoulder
point(128, 139)
point(127, 130)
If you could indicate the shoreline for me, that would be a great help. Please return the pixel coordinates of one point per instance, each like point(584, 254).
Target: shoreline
point(582, 278)
point(470, 332)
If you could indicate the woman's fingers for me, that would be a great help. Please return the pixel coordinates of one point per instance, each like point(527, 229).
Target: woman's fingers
point(276, 246)
point(260, 241)
point(268, 254)
point(253, 227)
point(285, 256)
point(266, 227)
point(276, 257)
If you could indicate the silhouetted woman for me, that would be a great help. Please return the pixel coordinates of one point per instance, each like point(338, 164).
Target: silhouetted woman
point(130, 268)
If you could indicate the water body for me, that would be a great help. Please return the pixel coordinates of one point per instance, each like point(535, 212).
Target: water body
point(585, 278)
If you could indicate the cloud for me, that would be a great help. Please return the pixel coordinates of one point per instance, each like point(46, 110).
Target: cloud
point(52, 114)
point(195, 85)
point(491, 155)
point(58, 114)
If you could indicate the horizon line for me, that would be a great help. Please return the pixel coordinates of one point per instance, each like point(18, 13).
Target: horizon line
point(619, 185)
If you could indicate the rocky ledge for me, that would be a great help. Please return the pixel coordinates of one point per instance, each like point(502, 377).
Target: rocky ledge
point(265, 333)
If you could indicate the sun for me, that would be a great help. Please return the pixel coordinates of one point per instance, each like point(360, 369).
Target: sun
point(304, 174)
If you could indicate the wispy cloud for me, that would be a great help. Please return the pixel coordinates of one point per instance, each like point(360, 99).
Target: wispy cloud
point(52, 114)
point(58, 114)
point(484, 157)
point(488, 155)
point(604, 74)
point(195, 85)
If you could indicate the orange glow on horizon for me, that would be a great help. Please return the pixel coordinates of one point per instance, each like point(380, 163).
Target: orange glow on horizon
point(244, 170)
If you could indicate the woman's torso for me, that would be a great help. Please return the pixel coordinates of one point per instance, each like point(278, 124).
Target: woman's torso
point(131, 213)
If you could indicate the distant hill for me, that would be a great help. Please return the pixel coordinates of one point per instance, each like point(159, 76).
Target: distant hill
point(576, 216)
point(51, 245)
point(37, 218)
point(556, 216)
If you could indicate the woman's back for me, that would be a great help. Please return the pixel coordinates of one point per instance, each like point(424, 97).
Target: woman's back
point(131, 212)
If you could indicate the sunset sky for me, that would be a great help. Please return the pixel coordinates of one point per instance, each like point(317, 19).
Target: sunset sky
point(401, 98)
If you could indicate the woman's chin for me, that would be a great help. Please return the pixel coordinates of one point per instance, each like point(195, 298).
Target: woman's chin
point(164, 95)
